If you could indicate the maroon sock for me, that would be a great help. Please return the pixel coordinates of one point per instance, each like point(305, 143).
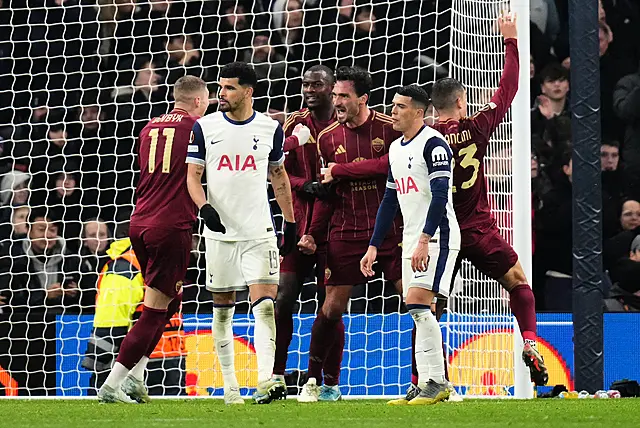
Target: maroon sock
point(414, 366)
point(174, 306)
point(523, 306)
point(139, 338)
point(322, 338)
point(284, 333)
point(334, 357)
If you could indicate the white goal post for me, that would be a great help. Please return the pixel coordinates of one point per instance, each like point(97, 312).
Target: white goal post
point(86, 75)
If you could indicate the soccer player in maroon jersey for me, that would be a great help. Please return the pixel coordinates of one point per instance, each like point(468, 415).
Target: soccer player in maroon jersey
point(482, 243)
point(303, 165)
point(359, 134)
point(160, 232)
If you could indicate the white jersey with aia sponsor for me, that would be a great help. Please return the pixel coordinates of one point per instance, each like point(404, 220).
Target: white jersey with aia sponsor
point(413, 164)
point(236, 156)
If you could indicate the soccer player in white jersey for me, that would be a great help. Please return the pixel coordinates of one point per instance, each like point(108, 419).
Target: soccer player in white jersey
point(420, 183)
point(238, 146)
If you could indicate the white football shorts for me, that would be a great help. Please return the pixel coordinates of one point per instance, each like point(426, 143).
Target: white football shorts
point(234, 266)
point(438, 275)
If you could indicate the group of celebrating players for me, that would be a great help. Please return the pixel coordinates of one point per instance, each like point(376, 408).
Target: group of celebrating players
point(338, 220)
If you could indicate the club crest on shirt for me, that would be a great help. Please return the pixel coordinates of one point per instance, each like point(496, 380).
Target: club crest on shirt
point(179, 286)
point(327, 274)
point(377, 144)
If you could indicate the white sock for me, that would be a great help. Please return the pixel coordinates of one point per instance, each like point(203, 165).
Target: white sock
point(223, 338)
point(138, 370)
point(428, 350)
point(264, 337)
point(116, 376)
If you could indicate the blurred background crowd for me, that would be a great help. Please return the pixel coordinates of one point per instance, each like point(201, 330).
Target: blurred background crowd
point(85, 76)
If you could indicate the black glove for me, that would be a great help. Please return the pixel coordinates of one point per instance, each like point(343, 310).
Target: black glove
point(212, 219)
point(316, 189)
point(289, 240)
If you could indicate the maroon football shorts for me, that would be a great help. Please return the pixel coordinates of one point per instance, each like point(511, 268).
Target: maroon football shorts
point(163, 255)
point(343, 261)
point(487, 250)
point(303, 265)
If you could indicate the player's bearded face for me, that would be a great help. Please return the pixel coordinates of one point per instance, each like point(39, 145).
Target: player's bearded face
point(346, 101)
point(232, 95)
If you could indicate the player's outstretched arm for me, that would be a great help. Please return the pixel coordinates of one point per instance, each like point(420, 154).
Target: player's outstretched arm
point(490, 117)
point(359, 170)
point(207, 212)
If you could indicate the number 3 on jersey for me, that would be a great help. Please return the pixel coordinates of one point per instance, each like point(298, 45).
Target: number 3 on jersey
point(168, 133)
point(468, 161)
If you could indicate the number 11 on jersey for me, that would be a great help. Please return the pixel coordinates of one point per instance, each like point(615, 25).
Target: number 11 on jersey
point(168, 133)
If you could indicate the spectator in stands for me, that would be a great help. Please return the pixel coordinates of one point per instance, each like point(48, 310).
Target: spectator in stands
point(98, 152)
point(64, 204)
point(183, 59)
point(630, 214)
point(624, 296)
point(43, 274)
point(234, 35)
point(271, 70)
point(553, 101)
point(612, 187)
point(144, 100)
point(17, 227)
point(554, 239)
point(626, 103)
point(49, 157)
point(14, 192)
point(96, 238)
point(544, 15)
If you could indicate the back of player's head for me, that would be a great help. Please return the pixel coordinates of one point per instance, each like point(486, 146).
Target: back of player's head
point(242, 71)
point(322, 69)
point(419, 96)
point(553, 72)
point(445, 93)
point(188, 86)
point(361, 79)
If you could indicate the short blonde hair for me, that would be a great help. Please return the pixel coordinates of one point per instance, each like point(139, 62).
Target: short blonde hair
point(186, 87)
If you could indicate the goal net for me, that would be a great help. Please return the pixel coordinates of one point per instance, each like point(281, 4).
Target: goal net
point(86, 76)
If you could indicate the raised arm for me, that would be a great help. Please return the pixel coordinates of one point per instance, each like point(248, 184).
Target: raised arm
point(490, 116)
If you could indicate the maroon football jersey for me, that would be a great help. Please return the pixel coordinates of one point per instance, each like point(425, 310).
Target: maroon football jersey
point(303, 165)
point(354, 212)
point(469, 138)
point(162, 198)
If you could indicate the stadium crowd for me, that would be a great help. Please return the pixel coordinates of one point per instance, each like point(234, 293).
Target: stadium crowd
point(86, 77)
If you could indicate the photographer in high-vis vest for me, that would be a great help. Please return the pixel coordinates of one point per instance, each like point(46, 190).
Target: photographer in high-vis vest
point(118, 304)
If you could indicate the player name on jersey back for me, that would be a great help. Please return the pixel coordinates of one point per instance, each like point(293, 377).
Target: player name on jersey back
point(236, 156)
point(162, 197)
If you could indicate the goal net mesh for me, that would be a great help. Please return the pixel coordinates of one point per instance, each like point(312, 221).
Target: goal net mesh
point(86, 76)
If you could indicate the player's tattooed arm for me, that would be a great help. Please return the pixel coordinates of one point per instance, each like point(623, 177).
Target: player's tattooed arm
point(194, 184)
point(282, 191)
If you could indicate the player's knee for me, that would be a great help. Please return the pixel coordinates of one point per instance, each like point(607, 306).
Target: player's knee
point(263, 308)
point(514, 277)
point(224, 298)
point(174, 306)
point(287, 294)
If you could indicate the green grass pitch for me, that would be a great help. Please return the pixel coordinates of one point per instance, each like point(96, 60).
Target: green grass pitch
point(346, 414)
